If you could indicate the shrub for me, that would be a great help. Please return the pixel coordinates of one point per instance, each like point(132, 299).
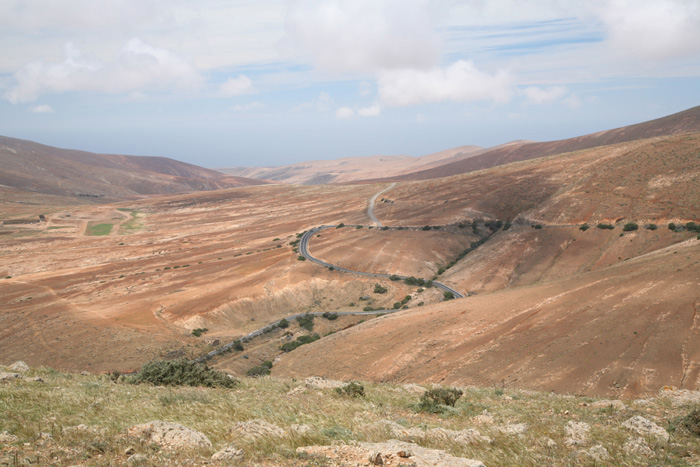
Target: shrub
point(181, 373)
point(584, 227)
point(630, 226)
point(427, 227)
point(379, 289)
point(368, 308)
point(448, 295)
point(507, 225)
point(440, 271)
point(306, 321)
point(692, 226)
point(436, 400)
point(341, 225)
point(283, 324)
point(353, 389)
point(238, 346)
point(672, 226)
point(536, 226)
point(692, 422)
point(330, 316)
point(652, 227)
point(394, 278)
point(605, 226)
point(397, 305)
point(385, 228)
point(413, 281)
point(199, 331)
point(258, 371)
point(301, 340)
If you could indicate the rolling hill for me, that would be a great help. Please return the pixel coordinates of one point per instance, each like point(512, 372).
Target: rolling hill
point(37, 168)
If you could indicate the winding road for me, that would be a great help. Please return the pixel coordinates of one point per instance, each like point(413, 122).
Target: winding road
point(370, 209)
point(304, 251)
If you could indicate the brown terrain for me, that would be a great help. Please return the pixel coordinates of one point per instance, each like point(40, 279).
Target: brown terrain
point(36, 168)
point(552, 307)
point(351, 169)
point(687, 121)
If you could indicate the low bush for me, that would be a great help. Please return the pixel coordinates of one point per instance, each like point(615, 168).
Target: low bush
point(330, 316)
point(427, 227)
point(353, 389)
point(301, 340)
point(438, 399)
point(651, 227)
point(536, 226)
point(584, 227)
point(238, 345)
point(379, 289)
point(448, 295)
point(301, 258)
point(283, 324)
point(394, 278)
point(413, 281)
point(691, 422)
point(605, 226)
point(257, 371)
point(306, 321)
point(396, 306)
point(199, 331)
point(630, 226)
point(181, 373)
point(341, 225)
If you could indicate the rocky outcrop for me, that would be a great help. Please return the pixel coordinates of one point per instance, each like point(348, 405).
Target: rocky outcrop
point(170, 435)
point(646, 428)
point(254, 430)
point(391, 453)
point(228, 454)
point(577, 433)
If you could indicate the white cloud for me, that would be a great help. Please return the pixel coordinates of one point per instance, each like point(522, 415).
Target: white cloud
point(371, 111)
point(237, 86)
point(364, 35)
point(248, 107)
point(573, 102)
point(460, 81)
point(322, 103)
point(420, 117)
point(365, 88)
point(344, 112)
point(651, 29)
point(41, 109)
point(137, 66)
point(539, 95)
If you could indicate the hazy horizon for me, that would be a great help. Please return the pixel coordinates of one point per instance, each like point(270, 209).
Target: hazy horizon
point(270, 83)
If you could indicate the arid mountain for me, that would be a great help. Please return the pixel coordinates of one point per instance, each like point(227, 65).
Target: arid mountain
point(352, 169)
point(597, 311)
point(37, 168)
point(687, 121)
point(550, 306)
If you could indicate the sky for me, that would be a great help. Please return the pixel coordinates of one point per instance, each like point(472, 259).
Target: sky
point(225, 83)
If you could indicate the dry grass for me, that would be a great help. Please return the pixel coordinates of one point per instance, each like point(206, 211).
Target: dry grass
point(30, 408)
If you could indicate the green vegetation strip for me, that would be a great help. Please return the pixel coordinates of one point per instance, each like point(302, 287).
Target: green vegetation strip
point(99, 229)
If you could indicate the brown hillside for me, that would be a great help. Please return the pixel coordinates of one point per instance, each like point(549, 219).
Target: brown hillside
point(351, 169)
point(546, 296)
point(44, 169)
point(687, 121)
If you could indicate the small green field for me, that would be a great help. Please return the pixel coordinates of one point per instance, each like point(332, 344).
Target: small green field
point(99, 229)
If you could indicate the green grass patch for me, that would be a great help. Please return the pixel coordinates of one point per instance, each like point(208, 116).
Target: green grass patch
point(99, 229)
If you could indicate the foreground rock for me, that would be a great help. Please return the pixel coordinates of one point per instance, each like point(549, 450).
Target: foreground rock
point(392, 453)
point(19, 367)
point(254, 430)
point(4, 376)
point(170, 435)
point(467, 437)
point(228, 454)
point(646, 427)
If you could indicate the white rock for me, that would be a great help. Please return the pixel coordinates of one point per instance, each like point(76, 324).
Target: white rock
point(255, 429)
point(604, 404)
point(577, 433)
point(598, 453)
point(229, 453)
point(637, 447)
point(170, 435)
point(645, 427)
point(392, 452)
point(7, 438)
point(19, 367)
point(8, 376)
point(317, 382)
point(513, 429)
point(680, 397)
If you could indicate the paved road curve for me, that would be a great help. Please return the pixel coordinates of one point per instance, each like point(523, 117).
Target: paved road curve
point(304, 251)
point(370, 209)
